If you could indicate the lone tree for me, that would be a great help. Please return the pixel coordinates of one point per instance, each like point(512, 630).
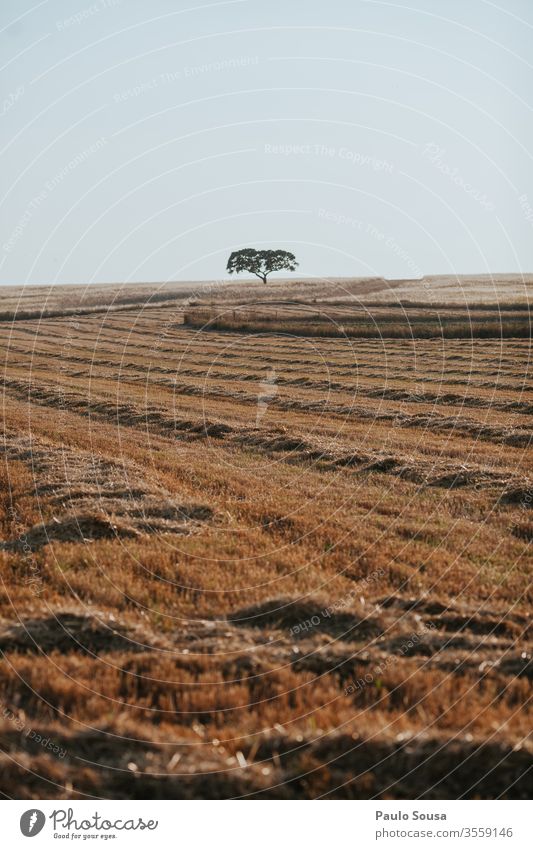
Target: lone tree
point(260, 263)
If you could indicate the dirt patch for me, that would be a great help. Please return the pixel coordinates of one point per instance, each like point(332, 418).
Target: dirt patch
point(518, 496)
point(523, 530)
point(386, 464)
point(71, 632)
point(277, 524)
point(83, 528)
point(297, 618)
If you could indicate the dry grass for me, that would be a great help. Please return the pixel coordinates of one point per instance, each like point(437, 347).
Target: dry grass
point(263, 566)
point(467, 329)
point(365, 321)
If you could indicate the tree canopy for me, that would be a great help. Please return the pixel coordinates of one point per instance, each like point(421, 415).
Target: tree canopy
point(260, 263)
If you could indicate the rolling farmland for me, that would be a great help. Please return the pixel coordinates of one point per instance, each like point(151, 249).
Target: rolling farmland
point(256, 563)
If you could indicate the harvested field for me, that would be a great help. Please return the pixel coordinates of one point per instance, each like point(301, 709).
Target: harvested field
point(495, 292)
point(367, 321)
point(239, 563)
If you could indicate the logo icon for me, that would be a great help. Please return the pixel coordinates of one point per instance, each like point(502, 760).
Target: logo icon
point(32, 822)
point(267, 392)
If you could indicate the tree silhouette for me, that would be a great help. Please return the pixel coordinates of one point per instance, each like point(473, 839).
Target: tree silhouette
point(260, 263)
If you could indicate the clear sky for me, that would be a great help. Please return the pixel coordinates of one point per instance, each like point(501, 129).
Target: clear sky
point(146, 141)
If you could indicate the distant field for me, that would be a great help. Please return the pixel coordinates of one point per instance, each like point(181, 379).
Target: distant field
point(29, 302)
point(34, 301)
point(266, 564)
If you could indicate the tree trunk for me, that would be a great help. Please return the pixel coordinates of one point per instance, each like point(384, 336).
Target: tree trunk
point(264, 278)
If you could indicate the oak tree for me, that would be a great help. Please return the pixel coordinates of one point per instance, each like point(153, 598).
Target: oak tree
point(260, 263)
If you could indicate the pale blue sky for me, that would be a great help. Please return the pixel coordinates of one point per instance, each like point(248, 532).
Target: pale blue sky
point(146, 141)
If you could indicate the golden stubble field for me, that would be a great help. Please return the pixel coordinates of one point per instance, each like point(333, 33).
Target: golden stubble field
point(262, 565)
